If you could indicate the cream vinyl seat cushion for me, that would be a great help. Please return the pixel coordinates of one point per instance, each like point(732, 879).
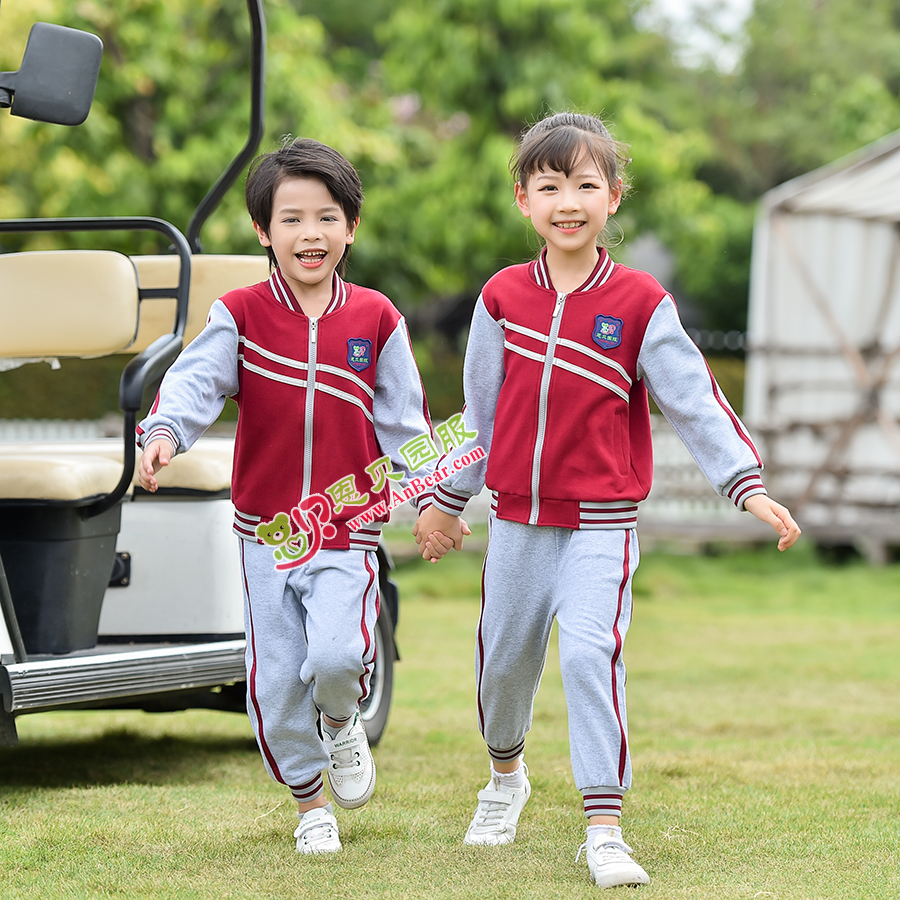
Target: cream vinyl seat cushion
point(212, 275)
point(66, 472)
point(80, 303)
point(72, 303)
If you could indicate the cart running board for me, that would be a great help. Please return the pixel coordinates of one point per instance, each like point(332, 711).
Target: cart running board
point(109, 674)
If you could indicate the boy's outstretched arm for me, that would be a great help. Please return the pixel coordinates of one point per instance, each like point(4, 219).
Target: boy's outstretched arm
point(779, 517)
point(156, 454)
point(437, 532)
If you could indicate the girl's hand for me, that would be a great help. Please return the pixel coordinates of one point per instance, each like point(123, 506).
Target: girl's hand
point(779, 517)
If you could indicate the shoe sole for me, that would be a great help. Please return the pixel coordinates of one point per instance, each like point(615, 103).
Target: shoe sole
point(621, 881)
point(495, 843)
point(319, 852)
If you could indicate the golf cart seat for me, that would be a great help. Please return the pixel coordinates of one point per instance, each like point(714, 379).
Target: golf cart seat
point(60, 504)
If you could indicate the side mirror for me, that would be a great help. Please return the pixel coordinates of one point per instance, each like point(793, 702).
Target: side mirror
point(58, 76)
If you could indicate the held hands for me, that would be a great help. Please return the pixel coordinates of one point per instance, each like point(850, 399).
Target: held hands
point(767, 510)
point(437, 532)
point(156, 455)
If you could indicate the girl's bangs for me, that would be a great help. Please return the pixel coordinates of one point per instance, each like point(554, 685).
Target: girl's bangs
point(560, 150)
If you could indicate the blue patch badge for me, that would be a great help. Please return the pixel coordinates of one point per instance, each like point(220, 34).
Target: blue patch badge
point(607, 332)
point(359, 353)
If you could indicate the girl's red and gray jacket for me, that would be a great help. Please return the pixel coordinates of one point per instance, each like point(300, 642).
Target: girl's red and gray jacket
point(320, 400)
point(556, 388)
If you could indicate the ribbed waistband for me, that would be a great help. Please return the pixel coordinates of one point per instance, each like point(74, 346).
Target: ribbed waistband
point(364, 539)
point(576, 514)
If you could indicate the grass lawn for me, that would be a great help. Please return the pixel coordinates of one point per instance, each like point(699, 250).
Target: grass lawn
point(764, 705)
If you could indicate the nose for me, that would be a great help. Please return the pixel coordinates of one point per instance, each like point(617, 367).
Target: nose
point(309, 230)
point(568, 199)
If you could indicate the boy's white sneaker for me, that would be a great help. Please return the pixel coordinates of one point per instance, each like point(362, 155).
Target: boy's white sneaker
point(318, 831)
point(610, 863)
point(497, 813)
point(351, 768)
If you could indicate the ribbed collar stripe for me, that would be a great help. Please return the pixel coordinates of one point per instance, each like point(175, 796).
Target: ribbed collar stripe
point(340, 292)
point(602, 271)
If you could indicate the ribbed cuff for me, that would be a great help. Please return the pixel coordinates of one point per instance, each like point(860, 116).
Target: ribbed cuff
point(744, 485)
point(448, 501)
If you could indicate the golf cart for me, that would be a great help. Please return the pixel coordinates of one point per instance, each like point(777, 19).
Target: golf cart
point(112, 597)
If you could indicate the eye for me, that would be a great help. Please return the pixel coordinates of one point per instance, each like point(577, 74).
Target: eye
point(548, 188)
point(590, 186)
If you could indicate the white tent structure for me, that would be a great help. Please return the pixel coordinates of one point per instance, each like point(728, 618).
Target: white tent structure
point(823, 382)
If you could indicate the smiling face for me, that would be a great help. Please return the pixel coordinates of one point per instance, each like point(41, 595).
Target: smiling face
point(309, 233)
point(569, 211)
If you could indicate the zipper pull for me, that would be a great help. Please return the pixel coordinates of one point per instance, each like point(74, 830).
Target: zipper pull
point(559, 303)
point(313, 329)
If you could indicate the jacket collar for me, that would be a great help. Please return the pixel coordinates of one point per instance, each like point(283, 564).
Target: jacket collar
point(340, 292)
point(602, 271)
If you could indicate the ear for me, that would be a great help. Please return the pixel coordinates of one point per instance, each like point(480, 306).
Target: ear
point(615, 196)
point(522, 200)
point(261, 234)
point(351, 230)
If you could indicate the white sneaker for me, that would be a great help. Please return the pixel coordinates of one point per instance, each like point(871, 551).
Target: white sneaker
point(610, 863)
point(497, 813)
point(318, 832)
point(351, 770)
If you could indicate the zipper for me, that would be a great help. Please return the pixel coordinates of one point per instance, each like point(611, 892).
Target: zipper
point(310, 401)
point(555, 323)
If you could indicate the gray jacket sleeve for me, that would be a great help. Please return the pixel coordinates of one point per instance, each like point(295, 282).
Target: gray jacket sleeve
point(194, 389)
point(399, 409)
point(483, 375)
point(679, 380)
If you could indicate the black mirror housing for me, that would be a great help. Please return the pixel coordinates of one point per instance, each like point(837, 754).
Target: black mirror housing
point(57, 78)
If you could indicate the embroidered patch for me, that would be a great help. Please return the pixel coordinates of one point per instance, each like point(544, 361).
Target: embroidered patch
point(359, 353)
point(607, 332)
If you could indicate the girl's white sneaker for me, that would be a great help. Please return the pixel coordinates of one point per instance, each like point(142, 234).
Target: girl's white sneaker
point(497, 813)
point(610, 863)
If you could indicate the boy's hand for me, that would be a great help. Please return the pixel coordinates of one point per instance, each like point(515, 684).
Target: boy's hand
point(767, 510)
point(438, 532)
point(156, 455)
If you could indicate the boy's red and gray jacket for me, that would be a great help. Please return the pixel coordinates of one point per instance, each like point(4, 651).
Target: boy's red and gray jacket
point(556, 388)
point(320, 400)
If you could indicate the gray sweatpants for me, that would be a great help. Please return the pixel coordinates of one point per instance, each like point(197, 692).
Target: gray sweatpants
point(310, 646)
point(582, 579)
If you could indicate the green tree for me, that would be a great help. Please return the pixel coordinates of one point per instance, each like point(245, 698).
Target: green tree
point(817, 80)
point(462, 78)
point(426, 99)
point(814, 80)
point(170, 112)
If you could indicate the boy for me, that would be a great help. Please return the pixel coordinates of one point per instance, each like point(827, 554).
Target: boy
point(561, 354)
point(328, 394)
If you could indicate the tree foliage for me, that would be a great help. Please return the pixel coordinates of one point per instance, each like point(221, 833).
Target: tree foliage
point(427, 100)
point(817, 79)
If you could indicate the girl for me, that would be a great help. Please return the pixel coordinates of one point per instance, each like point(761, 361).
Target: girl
point(562, 353)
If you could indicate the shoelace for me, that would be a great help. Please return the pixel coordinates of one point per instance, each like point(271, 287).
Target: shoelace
point(347, 757)
point(490, 813)
point(316, 832)
point(609, 851)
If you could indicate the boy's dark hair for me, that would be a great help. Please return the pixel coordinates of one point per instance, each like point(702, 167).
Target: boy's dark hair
point(557, 142)
point(302, 158)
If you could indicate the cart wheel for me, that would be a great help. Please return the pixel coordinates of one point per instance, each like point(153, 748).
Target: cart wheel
point(377, 705)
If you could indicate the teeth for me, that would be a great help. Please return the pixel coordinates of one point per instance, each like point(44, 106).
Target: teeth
point(569, 225)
